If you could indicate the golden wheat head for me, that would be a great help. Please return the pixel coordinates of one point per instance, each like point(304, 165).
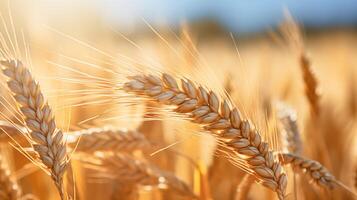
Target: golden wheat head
point(220, 119)
point(46, 139)
point(107, 139)
point(316, 171)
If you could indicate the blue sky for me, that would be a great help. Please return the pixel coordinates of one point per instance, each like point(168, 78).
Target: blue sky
point(240, 16)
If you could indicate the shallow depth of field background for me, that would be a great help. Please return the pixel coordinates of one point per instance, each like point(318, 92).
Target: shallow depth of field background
point(265, 70)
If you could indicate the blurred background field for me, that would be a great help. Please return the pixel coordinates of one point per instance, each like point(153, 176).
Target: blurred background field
point(237, 45)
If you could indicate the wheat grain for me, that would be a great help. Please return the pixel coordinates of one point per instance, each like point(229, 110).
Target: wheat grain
point(129, 170)
point(220, 119)
point(107, 139)
point(46, 138)
point(9, 190)
point(317, 172)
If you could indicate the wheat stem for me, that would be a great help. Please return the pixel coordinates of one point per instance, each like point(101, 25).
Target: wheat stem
point(355, 181)
point(9, 190)
point(244, 187)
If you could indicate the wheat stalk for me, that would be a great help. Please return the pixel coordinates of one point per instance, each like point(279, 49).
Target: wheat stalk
point(129, 170)
point(220, 119)
point(107, 139)
point(352, 94)
point(355, 181)
point(244, 187)
point(46, 138)
point(316, 171)
point(9, 190)
point(125, 191)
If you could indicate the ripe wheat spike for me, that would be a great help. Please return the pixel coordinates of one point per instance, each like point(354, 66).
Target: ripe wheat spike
point(107, 139)
point(88, 140)
point(220, 119)
point(288, 119)
point(46, 138)
point(293, 34)
point(317, 172)
point(311, 84)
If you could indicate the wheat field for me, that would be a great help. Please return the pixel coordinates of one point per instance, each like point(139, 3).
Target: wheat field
point(175, 113)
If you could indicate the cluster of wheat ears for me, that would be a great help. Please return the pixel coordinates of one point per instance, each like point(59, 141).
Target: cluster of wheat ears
point(122, 155)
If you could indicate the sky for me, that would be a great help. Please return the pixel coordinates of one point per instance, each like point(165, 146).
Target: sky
point(237, 16)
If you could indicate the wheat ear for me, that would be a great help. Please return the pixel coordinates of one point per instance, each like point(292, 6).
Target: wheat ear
point(129, 170)
point(288, 119)
point(220, 119)
point(46, 139)
point(9, 190)
point(107, 139)
point(311, 84)
point(89, 140)
point(317, 172)
point(294, 36)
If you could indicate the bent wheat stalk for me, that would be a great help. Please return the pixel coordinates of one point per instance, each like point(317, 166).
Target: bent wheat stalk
point(243, 187)
point(220, 119)
point(317, 172)
point(46, 138)
point(9, 190)
point(129, 170)
point(107, 139)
